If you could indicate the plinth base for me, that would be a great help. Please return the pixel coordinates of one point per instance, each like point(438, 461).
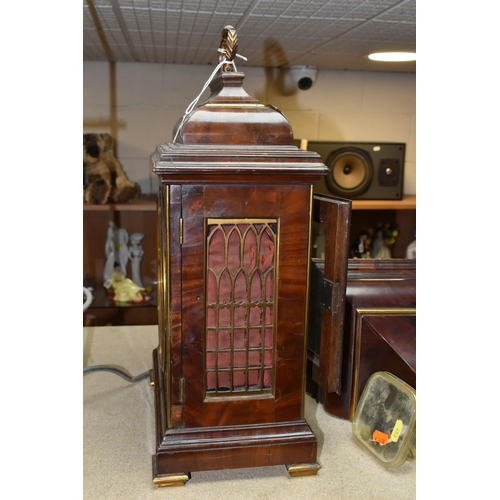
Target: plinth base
point(230, 447)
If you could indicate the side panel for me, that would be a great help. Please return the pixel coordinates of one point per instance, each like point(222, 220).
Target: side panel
point(244, 275)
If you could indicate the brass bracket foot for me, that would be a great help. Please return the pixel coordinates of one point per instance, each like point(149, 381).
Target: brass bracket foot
point(164, 480)
point(174, 479)
point(296, 470)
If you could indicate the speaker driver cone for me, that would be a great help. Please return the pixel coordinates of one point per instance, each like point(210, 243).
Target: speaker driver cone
point(351, 171)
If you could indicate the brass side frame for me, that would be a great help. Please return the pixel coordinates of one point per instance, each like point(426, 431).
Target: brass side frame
point(308, 296)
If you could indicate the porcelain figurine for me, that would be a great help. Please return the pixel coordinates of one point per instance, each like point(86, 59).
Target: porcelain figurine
point(136, 252)
point(110, 250)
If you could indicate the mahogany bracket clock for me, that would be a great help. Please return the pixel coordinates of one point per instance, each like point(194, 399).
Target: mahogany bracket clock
point(234, 228)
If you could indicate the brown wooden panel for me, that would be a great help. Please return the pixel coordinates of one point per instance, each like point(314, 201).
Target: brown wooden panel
point(291, 305)
point(173, 253)
point(385, 343)
point(213, 448)
point(335, 214)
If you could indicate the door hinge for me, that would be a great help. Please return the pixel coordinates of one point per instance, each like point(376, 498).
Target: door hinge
point(329, 295)
point(181, 231)
point(181, 390)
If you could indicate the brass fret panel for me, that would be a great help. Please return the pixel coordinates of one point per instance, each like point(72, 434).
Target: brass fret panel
point(240, 306)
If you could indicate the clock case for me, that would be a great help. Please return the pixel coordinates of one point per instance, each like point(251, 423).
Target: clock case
point(235, 208)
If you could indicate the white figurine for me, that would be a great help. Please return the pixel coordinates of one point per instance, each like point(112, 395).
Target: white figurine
point(123, 252)
point(379, 249)
point(411, 250)
point(110, 250)
point(136, 253)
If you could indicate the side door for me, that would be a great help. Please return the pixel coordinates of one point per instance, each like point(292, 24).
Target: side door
point(328, 288)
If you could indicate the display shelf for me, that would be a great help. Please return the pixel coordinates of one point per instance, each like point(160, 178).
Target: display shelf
point(409, 202)
point(138, 215)
point(104, 311)
point(144, 203)
point(367, 213)
point(101, 299)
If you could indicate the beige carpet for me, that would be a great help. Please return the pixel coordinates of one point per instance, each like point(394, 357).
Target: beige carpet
point(119, 441)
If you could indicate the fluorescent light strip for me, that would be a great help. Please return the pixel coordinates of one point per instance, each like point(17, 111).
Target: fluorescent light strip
point(393, 56)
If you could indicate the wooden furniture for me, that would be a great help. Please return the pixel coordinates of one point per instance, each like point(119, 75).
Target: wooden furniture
point(137, 215)
point(234, 246)
point(379, 330)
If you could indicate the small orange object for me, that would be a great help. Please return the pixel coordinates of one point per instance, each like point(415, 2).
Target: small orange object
point(380, 437)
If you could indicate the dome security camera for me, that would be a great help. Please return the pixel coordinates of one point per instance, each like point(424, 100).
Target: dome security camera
point(304, 76)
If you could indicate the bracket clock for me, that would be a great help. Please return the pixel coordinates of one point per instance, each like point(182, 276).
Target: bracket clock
point(234, 229)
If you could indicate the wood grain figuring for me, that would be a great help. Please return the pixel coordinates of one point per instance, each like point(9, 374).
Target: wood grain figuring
point(387, 343)
point(174, 323)
point(235, 447)
point(258, 125)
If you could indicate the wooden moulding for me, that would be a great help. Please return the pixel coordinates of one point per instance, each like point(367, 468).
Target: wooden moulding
point(231, 447)
point(228, 447)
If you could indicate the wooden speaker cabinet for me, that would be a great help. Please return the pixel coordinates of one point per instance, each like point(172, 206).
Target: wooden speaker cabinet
point(234, 225)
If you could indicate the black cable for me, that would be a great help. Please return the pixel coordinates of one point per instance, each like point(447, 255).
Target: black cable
point(116, 371)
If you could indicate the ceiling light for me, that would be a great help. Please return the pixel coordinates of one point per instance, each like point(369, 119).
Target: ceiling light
point(393, 56)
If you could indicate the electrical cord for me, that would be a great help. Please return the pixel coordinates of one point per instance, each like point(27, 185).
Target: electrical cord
point(116, 371)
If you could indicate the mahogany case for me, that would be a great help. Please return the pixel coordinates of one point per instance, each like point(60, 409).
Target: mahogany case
point(234, 228)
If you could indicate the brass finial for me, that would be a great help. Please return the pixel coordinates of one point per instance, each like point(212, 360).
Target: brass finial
point(228, 47)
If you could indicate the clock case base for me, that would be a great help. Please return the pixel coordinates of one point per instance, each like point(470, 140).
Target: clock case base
point(230, 447)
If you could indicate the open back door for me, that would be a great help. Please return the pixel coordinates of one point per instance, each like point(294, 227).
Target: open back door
point(328, 287)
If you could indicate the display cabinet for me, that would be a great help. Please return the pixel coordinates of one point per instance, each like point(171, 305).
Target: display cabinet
point(134, 216)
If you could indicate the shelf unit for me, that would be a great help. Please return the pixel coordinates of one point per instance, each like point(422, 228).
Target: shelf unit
point(366, 214)
point(138, 215)
point(409, 202)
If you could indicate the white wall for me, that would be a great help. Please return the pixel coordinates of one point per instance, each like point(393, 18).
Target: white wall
point(341, 106)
